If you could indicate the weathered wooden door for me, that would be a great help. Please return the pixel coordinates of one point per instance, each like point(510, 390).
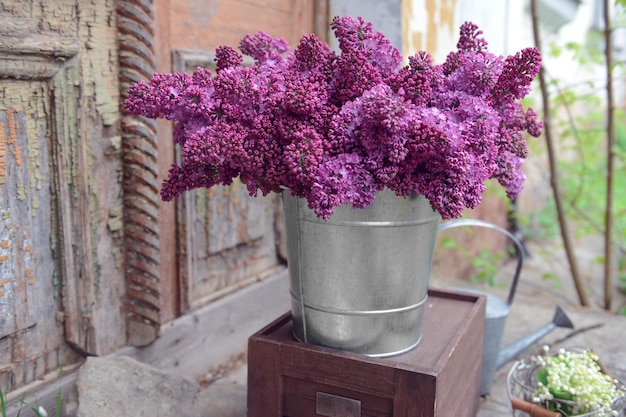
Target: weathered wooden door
point(60, 200)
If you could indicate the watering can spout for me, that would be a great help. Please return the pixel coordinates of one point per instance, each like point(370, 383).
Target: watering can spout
point(509, 352)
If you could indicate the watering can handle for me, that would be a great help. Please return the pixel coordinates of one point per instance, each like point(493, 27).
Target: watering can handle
point(519, 248)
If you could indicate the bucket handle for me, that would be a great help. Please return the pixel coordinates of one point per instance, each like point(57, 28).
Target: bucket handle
point(519, 248)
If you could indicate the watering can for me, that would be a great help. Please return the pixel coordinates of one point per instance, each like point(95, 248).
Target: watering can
point(497, 311)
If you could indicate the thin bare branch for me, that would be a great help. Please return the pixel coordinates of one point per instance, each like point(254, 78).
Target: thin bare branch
point(569, 251)
point(609, 252)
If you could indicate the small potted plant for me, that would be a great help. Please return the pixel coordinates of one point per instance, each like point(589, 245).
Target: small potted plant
point(568, 383)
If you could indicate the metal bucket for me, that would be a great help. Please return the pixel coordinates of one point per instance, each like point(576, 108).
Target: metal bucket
point(359, 281)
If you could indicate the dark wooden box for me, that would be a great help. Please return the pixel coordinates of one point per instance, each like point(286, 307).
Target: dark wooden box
point(439, 378)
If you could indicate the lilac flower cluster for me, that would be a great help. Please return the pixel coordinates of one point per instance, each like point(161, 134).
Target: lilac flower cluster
point(335, 128)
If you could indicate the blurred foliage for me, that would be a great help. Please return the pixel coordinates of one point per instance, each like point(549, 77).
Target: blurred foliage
point(579, 118)
point(579, 121)
point(485, 263)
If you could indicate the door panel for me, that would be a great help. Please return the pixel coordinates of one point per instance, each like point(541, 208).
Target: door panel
point(32, 339)
point(29, 289)
point(228, 237)
point(232, 240)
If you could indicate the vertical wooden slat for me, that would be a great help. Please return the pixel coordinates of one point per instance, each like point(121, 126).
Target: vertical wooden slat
point(140, 185)
point(73, 211)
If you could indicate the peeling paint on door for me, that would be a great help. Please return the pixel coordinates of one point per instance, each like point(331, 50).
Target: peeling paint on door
point(25, 215)
point(429, 25)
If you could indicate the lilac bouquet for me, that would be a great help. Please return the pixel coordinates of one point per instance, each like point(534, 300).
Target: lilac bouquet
point(335, 128)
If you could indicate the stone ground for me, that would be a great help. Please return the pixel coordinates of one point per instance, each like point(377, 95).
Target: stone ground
point(149, 392)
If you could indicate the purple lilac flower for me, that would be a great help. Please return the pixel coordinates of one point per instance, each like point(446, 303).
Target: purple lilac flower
point(510, 175)
point(335, 128)
point(477, 73)
point(171, 96)
point(341, 180)
point(265, 49)
point(367, 58)
point(417, 81)
point(517, 75)
point(314, 55)
point(469, 41)
point(469, 38)
point(227, 57)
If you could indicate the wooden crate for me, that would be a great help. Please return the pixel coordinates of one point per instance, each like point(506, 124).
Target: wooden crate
point(439, 378)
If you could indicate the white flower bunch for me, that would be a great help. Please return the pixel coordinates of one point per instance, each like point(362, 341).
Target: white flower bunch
point(573, 383)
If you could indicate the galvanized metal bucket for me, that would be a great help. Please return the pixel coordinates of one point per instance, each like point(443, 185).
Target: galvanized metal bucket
point(359, 281)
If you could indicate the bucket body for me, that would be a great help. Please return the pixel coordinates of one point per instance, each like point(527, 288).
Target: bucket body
point(359, 281)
